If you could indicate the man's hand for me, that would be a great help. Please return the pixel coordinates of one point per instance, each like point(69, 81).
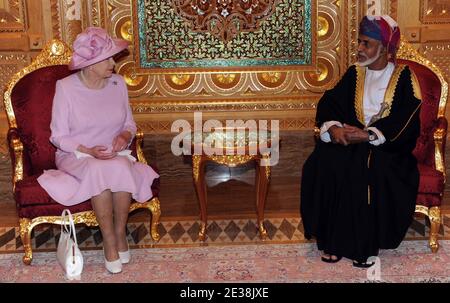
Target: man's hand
point(355, 135)
point(121, 141)
point(347, 134)
point(338, 135)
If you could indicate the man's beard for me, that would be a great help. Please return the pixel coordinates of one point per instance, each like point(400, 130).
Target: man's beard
point(369, 61)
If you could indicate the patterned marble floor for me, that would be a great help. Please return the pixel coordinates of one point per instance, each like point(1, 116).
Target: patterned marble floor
point(183, 233)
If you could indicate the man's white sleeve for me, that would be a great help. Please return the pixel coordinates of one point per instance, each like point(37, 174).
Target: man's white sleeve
point(324, 134)
point(381, 139)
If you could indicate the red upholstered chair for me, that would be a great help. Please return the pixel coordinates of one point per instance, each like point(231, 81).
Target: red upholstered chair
point(430, 146)
point(28, 101)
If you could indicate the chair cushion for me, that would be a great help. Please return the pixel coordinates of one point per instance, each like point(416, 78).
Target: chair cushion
point(34, 94)
point(54, 209)
point(431, 180)
point(30, 193)
point(429, 200)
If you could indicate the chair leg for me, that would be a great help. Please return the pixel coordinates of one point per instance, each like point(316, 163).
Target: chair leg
point(156, 213)
point(25, 235)
point(434, 214)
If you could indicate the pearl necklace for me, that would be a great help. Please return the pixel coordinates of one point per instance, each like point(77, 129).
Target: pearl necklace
point(87, 84)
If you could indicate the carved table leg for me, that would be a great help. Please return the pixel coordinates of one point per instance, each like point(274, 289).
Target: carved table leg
point(262, 181)
point(198, 164)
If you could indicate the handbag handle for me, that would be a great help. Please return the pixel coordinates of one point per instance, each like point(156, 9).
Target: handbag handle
point(67, 214)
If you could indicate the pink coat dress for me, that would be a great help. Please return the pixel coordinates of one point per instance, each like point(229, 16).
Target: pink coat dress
point(92, 117)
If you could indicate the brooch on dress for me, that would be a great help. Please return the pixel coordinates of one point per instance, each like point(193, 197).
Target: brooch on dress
point(115, 82)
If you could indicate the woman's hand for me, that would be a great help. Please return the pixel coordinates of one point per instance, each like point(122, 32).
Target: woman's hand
point(121, 141)
point(99, 151)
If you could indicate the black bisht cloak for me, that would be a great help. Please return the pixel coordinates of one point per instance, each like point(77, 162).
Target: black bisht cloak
point(359, 198)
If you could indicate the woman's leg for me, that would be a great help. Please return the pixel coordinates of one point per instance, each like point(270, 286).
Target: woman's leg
point(103, 208)
point(121, 205)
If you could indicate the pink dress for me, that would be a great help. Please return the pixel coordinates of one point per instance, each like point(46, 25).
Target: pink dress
point(92, 117)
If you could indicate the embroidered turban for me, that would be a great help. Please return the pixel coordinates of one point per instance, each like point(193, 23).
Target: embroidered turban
point(382, 28)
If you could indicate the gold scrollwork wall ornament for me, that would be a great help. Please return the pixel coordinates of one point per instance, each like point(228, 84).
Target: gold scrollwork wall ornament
point(226, 80)
point(179, 81)
point(125, 29)
point(323, 74)
point(325, 26)
point(271, 79)
point(134, 81)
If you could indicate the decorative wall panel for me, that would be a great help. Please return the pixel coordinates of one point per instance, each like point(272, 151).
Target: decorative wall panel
point(278, 87)
point(435, 11)
point(13, 16)
point(219, 34)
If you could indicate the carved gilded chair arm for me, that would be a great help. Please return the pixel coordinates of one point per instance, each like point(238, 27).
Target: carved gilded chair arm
point(139, 144)
point(16, 151)
point(440, 135)
point(441, 128)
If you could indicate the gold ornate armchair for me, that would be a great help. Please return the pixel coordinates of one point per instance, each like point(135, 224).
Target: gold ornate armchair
point(28, 101)
point(430, 147)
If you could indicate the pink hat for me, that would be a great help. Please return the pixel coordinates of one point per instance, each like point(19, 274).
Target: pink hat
point(94, 45)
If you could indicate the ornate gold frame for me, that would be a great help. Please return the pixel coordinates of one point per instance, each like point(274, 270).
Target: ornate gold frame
point(222, 70)
point(20, 23)
point(424, 6)
point(57, 52)
point(407, 52)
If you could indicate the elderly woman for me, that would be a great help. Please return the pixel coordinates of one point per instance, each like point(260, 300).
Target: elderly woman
point(92, 127)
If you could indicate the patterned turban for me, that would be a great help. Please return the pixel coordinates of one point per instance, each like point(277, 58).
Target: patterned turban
point(384, 29)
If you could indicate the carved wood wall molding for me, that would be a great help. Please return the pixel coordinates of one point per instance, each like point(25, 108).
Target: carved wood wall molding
point(164, 127)
point(434, 11)
point(13, 16)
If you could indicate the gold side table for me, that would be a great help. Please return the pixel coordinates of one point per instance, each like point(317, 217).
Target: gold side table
point(233, 156)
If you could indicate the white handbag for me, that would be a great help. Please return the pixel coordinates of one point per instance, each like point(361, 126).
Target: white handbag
point(68, 254)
